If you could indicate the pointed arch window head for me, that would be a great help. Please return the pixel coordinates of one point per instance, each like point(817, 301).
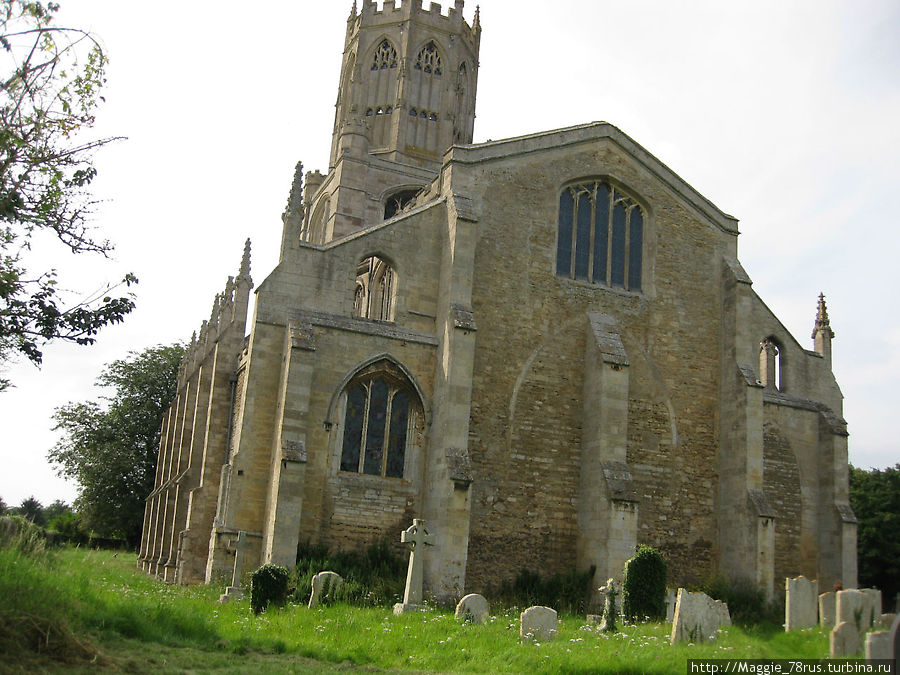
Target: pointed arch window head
point(600, 236)
point(385, 56)
point(398, 201)
point(380, 418)
point(376, 284)
point(429, 60)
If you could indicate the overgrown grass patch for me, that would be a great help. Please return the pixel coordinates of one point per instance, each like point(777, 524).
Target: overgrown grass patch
point(109, 606)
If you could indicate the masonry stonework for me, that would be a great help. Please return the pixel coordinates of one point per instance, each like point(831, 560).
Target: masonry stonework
point(501, 376)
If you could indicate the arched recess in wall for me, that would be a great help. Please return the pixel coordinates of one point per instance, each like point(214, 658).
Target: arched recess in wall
point(397, 200)
point(772, 363)
point(425, 110)
point(380, 421)
point(781, 483)
point(381, 91)
point(601, 235)
point(462, 125)
point(315, 233)
point(376, 289)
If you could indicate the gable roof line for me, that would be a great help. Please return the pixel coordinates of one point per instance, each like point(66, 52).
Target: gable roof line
point(586, 133)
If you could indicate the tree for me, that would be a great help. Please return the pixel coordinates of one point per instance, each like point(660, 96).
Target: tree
point(56, 509)
point(875, 498)
point(3, 507)
point(48, 95)
point(33, 510)
point(110, 450)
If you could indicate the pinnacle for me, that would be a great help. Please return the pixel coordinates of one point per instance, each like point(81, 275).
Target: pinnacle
point(244, 272)
point(822, 321)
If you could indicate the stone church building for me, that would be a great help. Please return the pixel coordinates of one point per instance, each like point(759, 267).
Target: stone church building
point(545, 346)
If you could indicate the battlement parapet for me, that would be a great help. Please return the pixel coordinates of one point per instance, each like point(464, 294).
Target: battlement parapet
point(392, 11)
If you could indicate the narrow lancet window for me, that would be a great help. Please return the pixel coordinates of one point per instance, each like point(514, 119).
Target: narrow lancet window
point(600, 236)
point(375, 290)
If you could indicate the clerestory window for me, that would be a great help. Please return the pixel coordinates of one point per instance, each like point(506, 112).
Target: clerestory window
point(600, 236)
point(385, 56)
point(375, 289)
point(380, 412)
point(429, 60)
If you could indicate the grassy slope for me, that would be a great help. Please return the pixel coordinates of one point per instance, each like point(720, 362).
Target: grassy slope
point(86, 605)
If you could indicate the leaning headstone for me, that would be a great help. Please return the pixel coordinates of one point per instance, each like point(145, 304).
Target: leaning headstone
point(800, 602)
point(324, 587)
point(473, 608)
point(845, 639)
point(417, 538)
point(538, 623)
point(671, 597)
point(878, 645)
point(698, 617)
point(827, 608)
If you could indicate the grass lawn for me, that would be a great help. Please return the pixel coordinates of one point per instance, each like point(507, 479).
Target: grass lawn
point(83, 611)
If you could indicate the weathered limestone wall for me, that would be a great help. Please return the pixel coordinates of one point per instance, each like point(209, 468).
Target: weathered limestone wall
point(527, 422)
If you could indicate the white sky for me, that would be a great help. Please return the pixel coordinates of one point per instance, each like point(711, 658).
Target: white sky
point(784, 114)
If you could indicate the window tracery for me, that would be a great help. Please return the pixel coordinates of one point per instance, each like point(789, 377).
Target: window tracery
point(396, 202)
point(429, 60)
point(600, 237)
point(385, 56)
point(375, 288)
point(381, 411)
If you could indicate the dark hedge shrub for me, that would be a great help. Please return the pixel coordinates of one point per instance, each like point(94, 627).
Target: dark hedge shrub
point(644, 586)
point(268, 586)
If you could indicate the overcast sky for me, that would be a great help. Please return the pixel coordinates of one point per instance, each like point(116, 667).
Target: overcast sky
point(785, 114)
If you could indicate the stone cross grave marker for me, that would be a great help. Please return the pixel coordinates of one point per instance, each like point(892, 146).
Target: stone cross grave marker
point(417, 538)
point(234, 591)
point(608, 622)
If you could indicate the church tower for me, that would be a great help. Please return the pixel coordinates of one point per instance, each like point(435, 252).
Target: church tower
point(406, 94)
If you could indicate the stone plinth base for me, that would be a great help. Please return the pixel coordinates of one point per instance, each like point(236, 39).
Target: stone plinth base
point(403, 608)
point(231, 593)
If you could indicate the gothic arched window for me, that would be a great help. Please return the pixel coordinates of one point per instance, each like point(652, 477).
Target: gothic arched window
point(398, 201)
point(375, 288)
point(381, 415)
point(600, 238)
point(429, 60)
point(385, 56)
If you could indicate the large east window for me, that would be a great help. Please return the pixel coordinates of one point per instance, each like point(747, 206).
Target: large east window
point(600, 239)
point(380, 412)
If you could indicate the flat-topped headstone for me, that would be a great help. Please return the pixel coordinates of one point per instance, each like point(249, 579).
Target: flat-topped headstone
point(538, 623)
point(417, 538)
point(473, 608)
point(698, 617)
point(800, 603)
point(849, 608)
point(827, 608)
point(324, 587)
point(878, 645)
point(844, 639)
point(871, 606)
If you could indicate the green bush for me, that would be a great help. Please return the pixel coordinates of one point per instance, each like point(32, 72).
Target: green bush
point(567, 593)
point(644, 586)
point(747, 604)
point(21, 535)
point(268, 586)
point(372, 578)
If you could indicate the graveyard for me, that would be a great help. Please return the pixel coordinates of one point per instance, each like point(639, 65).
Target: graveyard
point(81, 609)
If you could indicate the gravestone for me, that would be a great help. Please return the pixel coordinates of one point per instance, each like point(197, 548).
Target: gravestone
point(538, 623)
point(800, 603)
point(871, 606)
point(885, 621)
point(417, 538)
point(878, 645)
point(234, 591)
point(827, 608)
point(698, 617)
point(849, 607)
point(324, 587)
point(671, 597)
point(895, 642)
point(845, 639)
point(473, 608)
